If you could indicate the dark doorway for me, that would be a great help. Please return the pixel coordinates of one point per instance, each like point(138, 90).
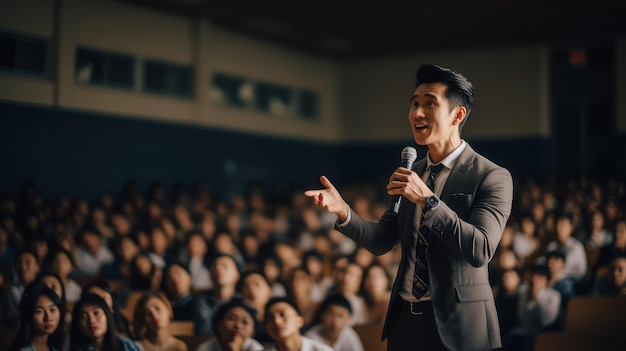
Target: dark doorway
point(583, 93)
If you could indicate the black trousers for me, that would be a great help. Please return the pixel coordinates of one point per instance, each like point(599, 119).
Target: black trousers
point(412, 327)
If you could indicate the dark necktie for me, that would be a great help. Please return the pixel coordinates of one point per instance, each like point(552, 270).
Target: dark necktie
point(420, 275)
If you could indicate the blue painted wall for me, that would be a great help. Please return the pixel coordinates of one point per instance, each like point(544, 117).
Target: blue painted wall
point(85, 154)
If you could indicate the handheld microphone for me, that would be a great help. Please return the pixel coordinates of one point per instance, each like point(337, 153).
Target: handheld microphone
point(409, 155)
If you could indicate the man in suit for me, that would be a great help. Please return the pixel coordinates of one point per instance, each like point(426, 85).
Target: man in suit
point(449, 231)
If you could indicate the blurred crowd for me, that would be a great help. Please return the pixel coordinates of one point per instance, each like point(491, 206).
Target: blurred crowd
point(196, 251)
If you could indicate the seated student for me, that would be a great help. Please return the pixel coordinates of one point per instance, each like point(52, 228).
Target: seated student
point(376, 289)
point(103, 289)
point(26, 268)
point(93, 327)
point(538, 310)
point(233, 327)
point(613, 283)
point(563, 284)
point(283, 323)
point(197, 248)
point(350, 287)
point(256, 292)
point(333, 328)
point(178, 284)
point(52, 281)
point(506, 296)
point(62, 263)
point(151, 323)
point(225, 274)
point(91, 253)
point(40, 328)
point(313, 262)
point(299, 285)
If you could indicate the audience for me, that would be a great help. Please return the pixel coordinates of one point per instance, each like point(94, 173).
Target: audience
point(93, 327)
point(565, 285)
point(177, 285)
point(576, 258)
point(333, 327)
point(91, 253)
point(195, 243)
point(151, 323)
point(256, 292)
point(26, 267)
point(299, 286)
point(376, 290)
point(613, 282)
point(42, 314)
point(350, 288)
point(284, 324)
point(62, 263)
point(506, 299)
point(538, 307)
point(103, 289)
point(225, 274)
point(197, 249)
point(234, 325)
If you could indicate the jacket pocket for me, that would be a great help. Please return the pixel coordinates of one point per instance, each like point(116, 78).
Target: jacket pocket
point(479, 292)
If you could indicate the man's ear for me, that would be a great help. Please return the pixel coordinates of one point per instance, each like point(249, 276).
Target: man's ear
point(460, 114)
point(300, 322)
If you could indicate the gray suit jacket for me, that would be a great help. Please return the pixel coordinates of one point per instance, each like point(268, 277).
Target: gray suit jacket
point(465, 231)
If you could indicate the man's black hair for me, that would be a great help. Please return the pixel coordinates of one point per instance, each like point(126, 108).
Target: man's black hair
point(460, 91)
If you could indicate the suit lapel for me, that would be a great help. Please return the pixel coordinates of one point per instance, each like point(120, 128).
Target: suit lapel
point(464, 163)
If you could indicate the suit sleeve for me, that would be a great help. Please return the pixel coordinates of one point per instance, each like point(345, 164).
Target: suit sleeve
point(377, 238)
point(477, 237)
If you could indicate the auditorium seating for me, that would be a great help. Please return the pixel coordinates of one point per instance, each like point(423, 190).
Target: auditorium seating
point(370, 336)
point(572, 341)
point(592, 314)
point(181, 328)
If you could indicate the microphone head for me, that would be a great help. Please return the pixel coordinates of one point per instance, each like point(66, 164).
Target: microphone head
point(409, 153)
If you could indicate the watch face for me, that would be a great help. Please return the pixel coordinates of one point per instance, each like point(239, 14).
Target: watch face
point(432, 202)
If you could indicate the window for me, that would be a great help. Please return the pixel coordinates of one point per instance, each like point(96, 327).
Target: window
point(168, 79)
point(23, 54)
point(230, 90)
point(265, 97)
point(104, 68)
point(308, 104)
point(273, 99)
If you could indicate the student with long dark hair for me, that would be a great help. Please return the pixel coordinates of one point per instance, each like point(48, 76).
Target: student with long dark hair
point(41, 328)
point(103, 289)
point(93, 327)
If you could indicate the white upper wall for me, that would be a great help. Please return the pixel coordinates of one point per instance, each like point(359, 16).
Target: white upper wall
point(33, 17)
point(510, 87)
point(362, 101)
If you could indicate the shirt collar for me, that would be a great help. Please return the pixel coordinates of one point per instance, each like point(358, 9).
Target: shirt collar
point(450, 160)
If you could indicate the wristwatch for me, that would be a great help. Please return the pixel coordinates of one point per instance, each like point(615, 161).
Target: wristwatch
point(432, 202)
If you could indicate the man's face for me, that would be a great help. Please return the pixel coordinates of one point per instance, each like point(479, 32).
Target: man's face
point(282, 321)
point(556, 264)
point(564, 229)
point(256, 291)
point(178, 281)
point(224, 271)
point(430, 117)
point(619, 271)
point(334, 319)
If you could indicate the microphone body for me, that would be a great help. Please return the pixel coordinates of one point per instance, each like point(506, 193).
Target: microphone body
point(409, 155)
